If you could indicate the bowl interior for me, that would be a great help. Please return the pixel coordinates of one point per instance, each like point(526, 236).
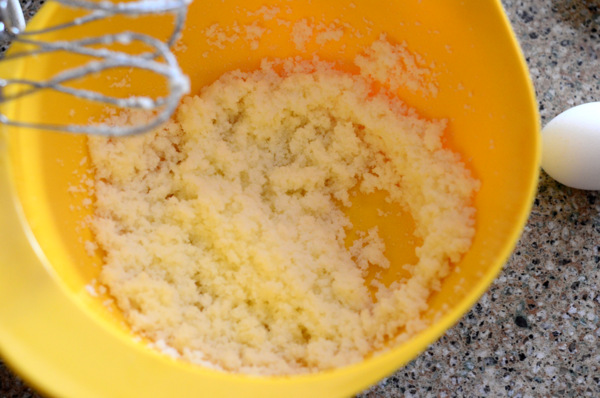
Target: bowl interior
point(484, 92)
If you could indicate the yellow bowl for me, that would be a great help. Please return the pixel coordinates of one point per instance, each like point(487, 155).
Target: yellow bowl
point(67, 343)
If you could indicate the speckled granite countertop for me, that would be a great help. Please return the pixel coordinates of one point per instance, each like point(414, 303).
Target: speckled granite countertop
point(536, 332)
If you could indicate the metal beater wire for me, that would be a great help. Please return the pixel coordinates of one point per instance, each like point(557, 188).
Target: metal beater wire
point(100, 11)
point(178, 83)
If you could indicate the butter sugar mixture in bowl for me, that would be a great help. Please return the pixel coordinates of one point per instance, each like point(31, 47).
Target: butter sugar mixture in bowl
point(225, 234)
point(337, 190)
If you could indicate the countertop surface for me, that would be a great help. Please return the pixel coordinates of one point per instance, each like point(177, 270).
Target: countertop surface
point(536, 332)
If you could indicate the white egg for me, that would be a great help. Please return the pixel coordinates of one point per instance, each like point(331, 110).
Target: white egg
point(571, 147)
